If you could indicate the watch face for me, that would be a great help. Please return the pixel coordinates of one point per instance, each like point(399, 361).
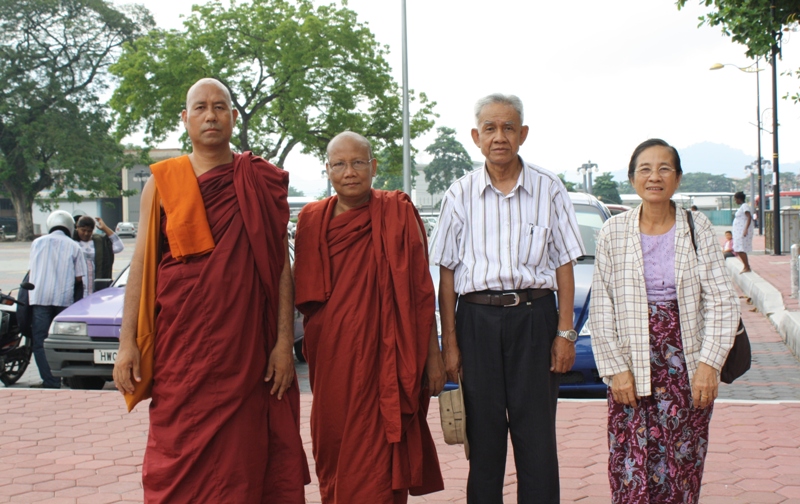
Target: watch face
point(570, 335)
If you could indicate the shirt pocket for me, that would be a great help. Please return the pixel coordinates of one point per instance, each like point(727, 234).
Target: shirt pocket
point(534, 244)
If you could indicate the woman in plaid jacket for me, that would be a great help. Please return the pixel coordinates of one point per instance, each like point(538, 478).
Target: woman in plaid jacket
point(663, 318)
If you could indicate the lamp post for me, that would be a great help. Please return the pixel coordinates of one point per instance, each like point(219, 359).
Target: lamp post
point(750, 69)
point(141, 176)
point(325, 176)
point(776, 176)
point(751, 170)
point(406, 120)
point(586, 170)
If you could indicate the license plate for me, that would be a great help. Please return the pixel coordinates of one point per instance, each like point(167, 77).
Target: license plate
point(105, 356)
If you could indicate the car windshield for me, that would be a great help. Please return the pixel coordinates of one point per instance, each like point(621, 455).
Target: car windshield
point(590, 220)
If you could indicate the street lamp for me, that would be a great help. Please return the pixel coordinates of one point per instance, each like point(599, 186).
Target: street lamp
point(586, 170)
point(751, 170)
point(325, 176)
point(141, 176)
point(751, 69)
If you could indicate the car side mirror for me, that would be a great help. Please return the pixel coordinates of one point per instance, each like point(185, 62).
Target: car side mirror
point(102, 283)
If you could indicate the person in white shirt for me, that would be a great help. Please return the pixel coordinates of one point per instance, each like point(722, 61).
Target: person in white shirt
point(98, 250)
point(57, 269)
point(507, 240)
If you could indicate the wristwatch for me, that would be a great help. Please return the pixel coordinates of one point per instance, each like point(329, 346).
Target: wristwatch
point(569, 335)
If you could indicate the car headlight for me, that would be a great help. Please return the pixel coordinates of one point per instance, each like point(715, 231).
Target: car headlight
point(585, 331)
point(68, 328)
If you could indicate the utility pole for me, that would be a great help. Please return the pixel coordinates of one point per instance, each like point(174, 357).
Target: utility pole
point(776, 188)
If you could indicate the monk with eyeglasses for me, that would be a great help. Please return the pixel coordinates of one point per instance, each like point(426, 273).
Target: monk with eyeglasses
point(363, 285)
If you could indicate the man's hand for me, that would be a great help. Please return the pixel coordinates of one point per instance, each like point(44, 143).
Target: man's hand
point(452, 362)
point(562, 355)
point(623, 388)
point(126, 366)
point(704, 386)
point(434, 372)
point(280, 370)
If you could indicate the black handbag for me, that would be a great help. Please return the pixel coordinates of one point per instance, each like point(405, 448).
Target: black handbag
point(738, 361)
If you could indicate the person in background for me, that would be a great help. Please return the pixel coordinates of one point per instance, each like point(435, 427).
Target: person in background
point(57, 269)
point(742, 231)
point(98, 250)
point(694, 208)
point(727, 247)
point(663, 317)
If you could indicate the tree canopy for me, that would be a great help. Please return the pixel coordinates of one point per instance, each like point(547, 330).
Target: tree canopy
point(749, 22)
point(54, 133)
point(569, 185)
point(450, 161)
point(298, 75)
point(605, 189)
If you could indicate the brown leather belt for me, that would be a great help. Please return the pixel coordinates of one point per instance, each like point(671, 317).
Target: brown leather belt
point(504, 298)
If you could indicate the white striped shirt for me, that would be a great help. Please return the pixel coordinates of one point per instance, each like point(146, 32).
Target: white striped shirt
point(494, 241)
point(56, 260)
point(89, 253)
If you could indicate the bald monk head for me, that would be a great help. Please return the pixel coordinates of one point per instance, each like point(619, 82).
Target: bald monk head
point(209, 115)
point(351, 168)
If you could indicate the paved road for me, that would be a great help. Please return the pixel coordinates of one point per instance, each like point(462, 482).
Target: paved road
point(71, 446)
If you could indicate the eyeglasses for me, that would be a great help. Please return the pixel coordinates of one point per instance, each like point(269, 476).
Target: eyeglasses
point(358, 165)
point(664, 171)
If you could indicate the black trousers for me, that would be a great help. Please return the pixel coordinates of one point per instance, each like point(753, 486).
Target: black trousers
point(508, 386)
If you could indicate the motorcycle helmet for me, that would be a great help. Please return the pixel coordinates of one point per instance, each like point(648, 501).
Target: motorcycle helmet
point(61, 219)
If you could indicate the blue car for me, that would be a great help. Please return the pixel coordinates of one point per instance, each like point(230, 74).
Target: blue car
point(583, 377)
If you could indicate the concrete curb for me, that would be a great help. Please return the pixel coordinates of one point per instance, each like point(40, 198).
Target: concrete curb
point(769, 301)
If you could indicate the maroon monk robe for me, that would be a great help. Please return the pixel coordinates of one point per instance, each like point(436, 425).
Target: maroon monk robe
point(216, 434)
point(363, 284)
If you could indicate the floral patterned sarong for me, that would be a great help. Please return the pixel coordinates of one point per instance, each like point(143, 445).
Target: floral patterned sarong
point(657, 450)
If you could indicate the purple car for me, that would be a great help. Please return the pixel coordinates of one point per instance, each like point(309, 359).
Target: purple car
point(84, 339)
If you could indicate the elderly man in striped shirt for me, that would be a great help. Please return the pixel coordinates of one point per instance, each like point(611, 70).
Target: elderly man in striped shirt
point(506, 244)
point(57, 271)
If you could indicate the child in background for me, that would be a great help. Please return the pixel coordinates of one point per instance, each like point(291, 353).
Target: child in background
point(727, 248)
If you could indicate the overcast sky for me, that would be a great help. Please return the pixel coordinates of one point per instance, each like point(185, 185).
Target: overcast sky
point(596, 78)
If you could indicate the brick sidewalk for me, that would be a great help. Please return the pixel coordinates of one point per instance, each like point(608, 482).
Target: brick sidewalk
point(70, 446)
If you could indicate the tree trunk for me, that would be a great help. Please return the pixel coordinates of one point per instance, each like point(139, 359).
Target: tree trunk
point(23, 208)
point(285, 152)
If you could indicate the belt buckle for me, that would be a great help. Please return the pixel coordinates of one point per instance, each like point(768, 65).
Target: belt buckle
point(516, 299)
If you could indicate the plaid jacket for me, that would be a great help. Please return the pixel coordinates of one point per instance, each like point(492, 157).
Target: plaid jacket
point(618, 317)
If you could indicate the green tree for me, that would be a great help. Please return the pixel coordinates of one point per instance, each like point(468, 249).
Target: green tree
point(54, 132)
point(625, 187)
point(749, 22)
point(450, 161)
point(569, 185)
point(298, 75)
point(705, 182)
point(752, 24)
point(390, 170)
point(605, 189)
point(295, 192)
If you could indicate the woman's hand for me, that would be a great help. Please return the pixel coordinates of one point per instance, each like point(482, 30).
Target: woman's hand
point(705, 386)
point(623, 388)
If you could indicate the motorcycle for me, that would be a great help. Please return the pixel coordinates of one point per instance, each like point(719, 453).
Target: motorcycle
point(16, 344)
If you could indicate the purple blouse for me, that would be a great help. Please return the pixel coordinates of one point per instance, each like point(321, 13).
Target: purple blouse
point(658, 253)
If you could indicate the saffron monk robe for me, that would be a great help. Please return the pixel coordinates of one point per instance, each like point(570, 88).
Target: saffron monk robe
point(363, 284)
point(225, 409)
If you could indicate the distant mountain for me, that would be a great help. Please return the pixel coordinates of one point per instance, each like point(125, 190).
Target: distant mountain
point(720, 159)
